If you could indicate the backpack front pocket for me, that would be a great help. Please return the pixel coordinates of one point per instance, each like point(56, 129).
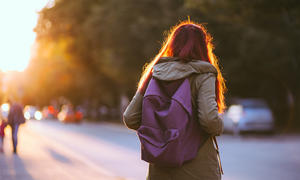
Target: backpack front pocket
point(157, 137)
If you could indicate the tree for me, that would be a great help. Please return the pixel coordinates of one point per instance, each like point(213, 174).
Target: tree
point(257, 41)
point(99, 47)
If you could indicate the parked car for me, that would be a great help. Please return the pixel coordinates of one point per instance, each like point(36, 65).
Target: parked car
point(29, 112)
point(50, 112)
point(248, 115)
point(68, 115)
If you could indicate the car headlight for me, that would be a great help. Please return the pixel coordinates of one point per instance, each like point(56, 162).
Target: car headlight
point(38, 115)
point(5, 107)
point(27, 115)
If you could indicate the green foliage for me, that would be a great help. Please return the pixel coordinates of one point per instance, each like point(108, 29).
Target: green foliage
point(96, 49)
point(257, 43)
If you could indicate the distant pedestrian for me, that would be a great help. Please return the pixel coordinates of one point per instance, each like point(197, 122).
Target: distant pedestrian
point(2, 133)
point(186, 59)
point(15, 119)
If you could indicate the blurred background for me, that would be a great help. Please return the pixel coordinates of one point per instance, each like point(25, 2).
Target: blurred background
point(78, 61)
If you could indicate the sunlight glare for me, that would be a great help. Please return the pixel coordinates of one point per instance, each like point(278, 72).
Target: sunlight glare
point(18, 19)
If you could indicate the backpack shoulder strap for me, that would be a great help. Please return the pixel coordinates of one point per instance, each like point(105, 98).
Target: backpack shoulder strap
point(218, 154)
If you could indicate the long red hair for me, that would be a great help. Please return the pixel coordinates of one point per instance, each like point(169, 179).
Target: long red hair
point(189, 40)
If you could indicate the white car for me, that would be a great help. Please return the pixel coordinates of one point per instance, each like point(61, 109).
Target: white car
point(247, 115)
point(31, 112)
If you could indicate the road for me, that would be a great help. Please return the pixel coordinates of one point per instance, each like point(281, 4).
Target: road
point(49, 150)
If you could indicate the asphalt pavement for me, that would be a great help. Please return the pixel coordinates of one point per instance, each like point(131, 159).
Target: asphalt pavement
point(49, 150)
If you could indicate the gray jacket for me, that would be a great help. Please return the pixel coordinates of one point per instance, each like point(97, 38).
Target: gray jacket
point(202, 76)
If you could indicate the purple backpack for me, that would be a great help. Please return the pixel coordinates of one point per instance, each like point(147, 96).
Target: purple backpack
point(169, 134)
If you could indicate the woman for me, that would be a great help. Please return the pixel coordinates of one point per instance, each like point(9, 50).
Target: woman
point(187, 52)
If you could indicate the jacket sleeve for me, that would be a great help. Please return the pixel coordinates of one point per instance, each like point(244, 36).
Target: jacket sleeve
point(133, 114)
point(11, 112)
point(207, 108)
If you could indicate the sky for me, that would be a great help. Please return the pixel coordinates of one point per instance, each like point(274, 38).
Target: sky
point(17, 21)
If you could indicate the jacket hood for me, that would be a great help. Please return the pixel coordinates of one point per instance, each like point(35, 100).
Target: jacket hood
point(171, 68)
